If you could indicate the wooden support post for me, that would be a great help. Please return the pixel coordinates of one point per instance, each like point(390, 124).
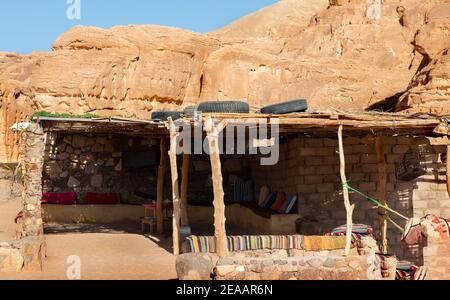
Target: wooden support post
point(348, 207)
point(448, 166)
point(219, 204)
point(184, 190)
point(382, 182)
point(160, 187)
point(175, 187)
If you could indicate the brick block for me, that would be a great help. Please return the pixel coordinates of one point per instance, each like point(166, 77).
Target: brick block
point(400, 149)
point(356, 177)
point(313, 179)
point(352, 141)
point(306, 189)
point(367, 186)
point(314, 161)
point(299, 180)
point(353, 159)
point(331, 178)
point(304, 170)
point(308, 151)
point(325, 170)
point(363, 149)
point(420, 204)
point(387, 149)
point(315, 198)
point(405, 140)
point(325, 188)
point(330, 142)
point(348, 149)
point(326, 151)
point(369, 159)
point(393, 158)
point(390, 140)
point(330, 160)
point(314, 142)
point(366, 168)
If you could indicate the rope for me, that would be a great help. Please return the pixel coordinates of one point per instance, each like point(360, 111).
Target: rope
point(395, 224)
point(378, 203)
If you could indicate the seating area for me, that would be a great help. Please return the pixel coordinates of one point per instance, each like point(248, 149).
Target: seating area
point(207, 244)
point(89, 198)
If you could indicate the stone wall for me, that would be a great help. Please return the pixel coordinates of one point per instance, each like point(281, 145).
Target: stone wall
point(101, 163)
point(310, 167)
point(436, 259)
point(26, 254)
point(31, 161)
point(299, 268)
point(279, 265)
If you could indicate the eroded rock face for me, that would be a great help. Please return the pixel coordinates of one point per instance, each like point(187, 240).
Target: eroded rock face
point(430, 88)
point(332, 52)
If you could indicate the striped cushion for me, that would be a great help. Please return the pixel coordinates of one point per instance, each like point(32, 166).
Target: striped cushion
point(270, 200)
point(207, 244)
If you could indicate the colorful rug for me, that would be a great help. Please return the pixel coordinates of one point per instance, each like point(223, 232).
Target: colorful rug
point(207, 244)
point(358, 231)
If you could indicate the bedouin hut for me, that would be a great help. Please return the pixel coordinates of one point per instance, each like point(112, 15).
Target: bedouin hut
point(274, 221)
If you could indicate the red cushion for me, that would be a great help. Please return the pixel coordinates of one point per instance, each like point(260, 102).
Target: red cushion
point(59, 198)
point(95, 198)
point(281, 200)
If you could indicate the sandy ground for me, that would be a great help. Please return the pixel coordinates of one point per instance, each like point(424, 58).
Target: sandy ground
point(106, 256)
point(8, 211)
point(105, 252)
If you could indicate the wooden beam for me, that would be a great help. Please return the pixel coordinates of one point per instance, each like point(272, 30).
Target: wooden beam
point(160, 187)
point(382, 182)
point(448, 166)
point(219, 204)
point(184, 190)
point(175, 187)
point(348, 207)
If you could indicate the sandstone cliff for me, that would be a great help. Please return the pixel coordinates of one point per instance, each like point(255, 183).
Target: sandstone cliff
point(332, 52)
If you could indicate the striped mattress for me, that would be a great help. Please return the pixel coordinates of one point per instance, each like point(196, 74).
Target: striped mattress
point(207, 244)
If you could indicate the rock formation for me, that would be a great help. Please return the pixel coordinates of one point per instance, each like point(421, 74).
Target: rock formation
point(344, 54)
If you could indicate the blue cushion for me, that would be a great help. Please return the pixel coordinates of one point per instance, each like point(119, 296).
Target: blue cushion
point(270, 200)
point(290, 204)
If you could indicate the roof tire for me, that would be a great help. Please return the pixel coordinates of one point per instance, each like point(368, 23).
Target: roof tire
point(190, 110)
point(293, 106)
point(165, 115)
point(230, 107)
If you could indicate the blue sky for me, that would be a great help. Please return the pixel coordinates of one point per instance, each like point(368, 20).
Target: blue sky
point(27, 25)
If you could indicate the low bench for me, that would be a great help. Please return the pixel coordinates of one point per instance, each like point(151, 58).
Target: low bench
point(96, 214)
point(249, 218)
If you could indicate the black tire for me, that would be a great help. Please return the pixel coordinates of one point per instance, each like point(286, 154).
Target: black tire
point(189, 111)
point(159, 116)
point(293, 106)
point(231, 107)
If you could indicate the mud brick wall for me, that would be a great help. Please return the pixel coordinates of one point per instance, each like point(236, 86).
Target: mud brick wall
point(310, 167)
point(436, 258)
point(98, 163)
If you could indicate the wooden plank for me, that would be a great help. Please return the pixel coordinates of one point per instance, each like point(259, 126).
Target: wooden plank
point(184, 190)
point(348, 207)
point(160, 187)
point(382, 182)
point(219, 204)
point(175, 187)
